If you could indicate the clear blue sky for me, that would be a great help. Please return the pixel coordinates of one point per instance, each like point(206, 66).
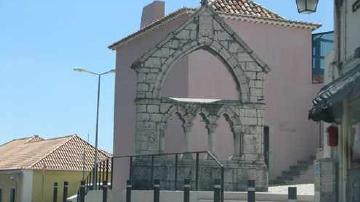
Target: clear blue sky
point(41, 41)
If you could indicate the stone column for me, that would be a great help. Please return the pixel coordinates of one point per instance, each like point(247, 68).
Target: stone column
point(162, 128)
point(146, 138)
point(147, 129)
point(211, 127)
point(187, 130)
point(238, 140)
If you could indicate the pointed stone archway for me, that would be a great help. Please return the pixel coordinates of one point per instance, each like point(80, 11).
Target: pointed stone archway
point(205, 30)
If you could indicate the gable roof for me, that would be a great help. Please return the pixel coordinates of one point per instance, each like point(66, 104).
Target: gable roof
point(242, 10)
point(36, 153)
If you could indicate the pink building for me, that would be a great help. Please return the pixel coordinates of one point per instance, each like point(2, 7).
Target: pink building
point(285, 46)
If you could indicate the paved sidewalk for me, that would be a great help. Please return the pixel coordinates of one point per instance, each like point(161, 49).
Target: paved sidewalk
point(302, 189)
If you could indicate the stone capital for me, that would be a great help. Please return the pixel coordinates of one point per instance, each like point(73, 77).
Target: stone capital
point(211, 127)
point(162, 126)
point(187, 127)
point(238, 129)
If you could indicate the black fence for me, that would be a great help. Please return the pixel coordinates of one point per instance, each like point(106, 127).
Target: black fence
point(99, 178)
point(200, 168)
point(171, 170)
point(101, 173)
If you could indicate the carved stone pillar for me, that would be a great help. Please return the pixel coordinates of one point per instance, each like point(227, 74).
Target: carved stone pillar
point(211, 136)
point(187, 130)
point(238, 140)
point(162, 128)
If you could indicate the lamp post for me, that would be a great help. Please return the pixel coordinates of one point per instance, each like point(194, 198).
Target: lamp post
point(307, 6)
point(97, 113)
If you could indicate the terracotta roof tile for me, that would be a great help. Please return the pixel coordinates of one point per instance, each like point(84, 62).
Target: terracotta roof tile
point(245, 10)
point(243, 7)
point(65, 153)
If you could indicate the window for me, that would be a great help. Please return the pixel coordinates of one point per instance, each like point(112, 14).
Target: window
point(12, 195)
point(322, 44)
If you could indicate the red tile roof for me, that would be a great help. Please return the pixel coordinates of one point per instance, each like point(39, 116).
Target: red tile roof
point(243, 10)
point(34, 153)
point(243, 7)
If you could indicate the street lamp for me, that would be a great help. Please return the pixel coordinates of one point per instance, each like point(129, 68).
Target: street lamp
point(97, 112)
point(307, 6)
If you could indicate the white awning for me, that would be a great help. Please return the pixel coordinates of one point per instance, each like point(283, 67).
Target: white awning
point(195, 100)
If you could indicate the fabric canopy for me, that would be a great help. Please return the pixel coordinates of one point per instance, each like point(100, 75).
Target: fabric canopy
point(346, 86)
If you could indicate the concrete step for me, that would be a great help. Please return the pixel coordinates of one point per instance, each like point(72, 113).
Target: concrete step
point(260, 196)
point(294, 172)
point(291, 172)
point(299, 167)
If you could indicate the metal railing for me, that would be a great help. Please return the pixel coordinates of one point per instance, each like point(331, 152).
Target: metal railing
point(99, 174)
point(171, 169)
point(99, 178)
point(201, 168)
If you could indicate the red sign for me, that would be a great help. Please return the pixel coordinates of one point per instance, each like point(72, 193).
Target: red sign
point(333, 136)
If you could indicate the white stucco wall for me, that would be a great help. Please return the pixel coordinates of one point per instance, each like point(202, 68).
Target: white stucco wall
point(26, 186)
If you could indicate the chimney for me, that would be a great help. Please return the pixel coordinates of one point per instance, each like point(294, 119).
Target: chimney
point(152, 13)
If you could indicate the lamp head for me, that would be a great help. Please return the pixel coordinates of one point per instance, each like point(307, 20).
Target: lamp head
point(79, 69)
point(307, 6)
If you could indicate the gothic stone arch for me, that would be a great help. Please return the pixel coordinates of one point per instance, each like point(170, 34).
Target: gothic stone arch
point(205, 30)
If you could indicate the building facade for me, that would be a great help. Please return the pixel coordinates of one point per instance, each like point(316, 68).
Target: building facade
point(285, 46)
point(337, 104)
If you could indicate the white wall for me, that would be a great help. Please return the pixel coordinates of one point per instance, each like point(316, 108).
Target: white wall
point(27, 183)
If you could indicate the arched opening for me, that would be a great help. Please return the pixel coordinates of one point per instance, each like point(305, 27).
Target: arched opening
point(224, 140)
point(199, 135)
point(200, 74)
point(174, 136)
point(176, 82)
point(209, 77)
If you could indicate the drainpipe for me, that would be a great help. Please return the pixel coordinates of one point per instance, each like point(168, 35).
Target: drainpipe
point(344, 152)
point(343, 140)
